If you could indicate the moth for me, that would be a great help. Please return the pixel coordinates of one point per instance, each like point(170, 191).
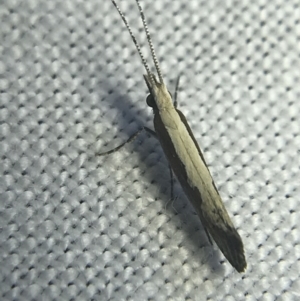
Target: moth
point(185, 157)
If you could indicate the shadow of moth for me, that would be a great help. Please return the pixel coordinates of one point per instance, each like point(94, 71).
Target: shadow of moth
point(186, 159)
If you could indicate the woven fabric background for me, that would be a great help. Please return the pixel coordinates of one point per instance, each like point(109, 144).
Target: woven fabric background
point(77, 226)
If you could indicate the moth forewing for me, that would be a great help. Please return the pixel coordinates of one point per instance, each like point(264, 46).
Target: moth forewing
point(189, 166)
point(186, 158)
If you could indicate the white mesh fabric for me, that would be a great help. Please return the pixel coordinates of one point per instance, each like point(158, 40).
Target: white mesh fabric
point(76, 226)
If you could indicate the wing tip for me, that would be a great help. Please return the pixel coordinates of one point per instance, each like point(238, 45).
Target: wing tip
point(240, 263)
point(231, 245)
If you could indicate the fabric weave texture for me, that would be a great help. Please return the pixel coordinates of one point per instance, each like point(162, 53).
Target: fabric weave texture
point(78, 226)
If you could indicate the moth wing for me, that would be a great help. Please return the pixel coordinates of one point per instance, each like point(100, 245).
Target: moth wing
point(207, 203)
point(225, 235)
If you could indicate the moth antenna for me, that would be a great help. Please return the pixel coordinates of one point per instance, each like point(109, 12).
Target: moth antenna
point(137, 46)
point(156, 63)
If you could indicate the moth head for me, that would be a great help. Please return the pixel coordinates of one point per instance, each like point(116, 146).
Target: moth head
point(159, 97)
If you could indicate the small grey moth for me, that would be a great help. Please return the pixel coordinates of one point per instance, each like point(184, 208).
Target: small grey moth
point(186, 159)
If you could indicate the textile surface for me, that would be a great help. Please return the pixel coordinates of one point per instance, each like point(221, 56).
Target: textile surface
point(79, 226)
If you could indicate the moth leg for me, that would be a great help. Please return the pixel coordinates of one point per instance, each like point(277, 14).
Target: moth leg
point(172, 182)
point(149, 131)
point(130, 139)
point(208, 236)
point(176, 91)
point(170, 169)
